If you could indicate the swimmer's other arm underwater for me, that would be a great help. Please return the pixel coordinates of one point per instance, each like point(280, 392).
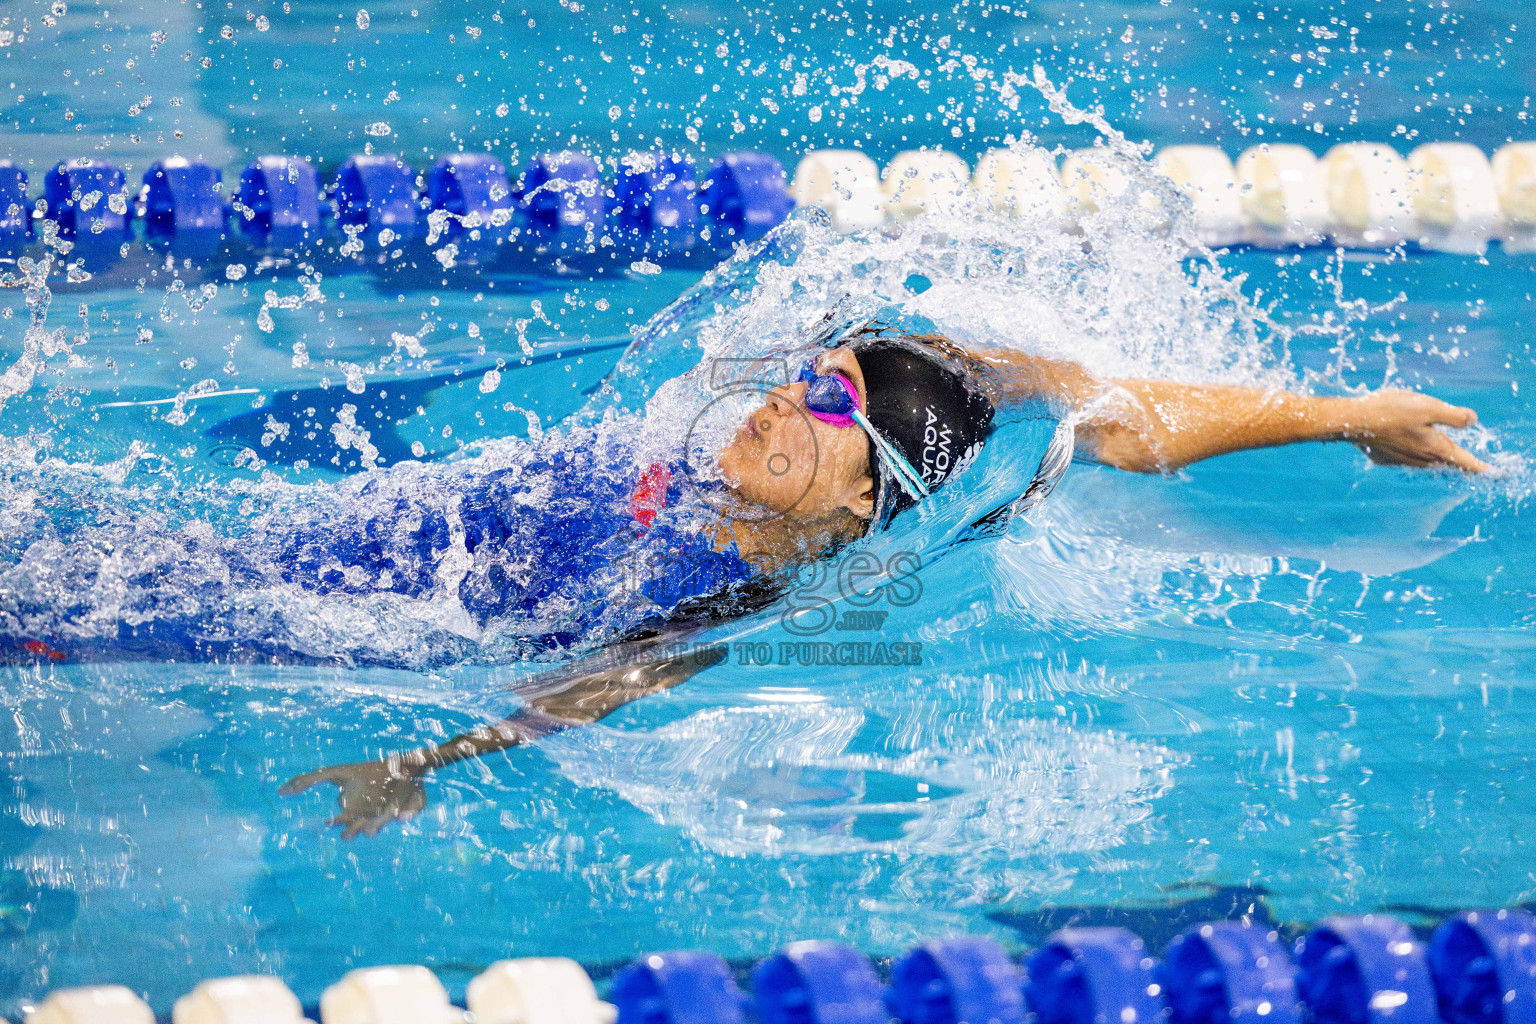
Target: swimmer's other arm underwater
point(849, 444)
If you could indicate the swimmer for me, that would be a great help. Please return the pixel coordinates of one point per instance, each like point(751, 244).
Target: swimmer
point(870, 427)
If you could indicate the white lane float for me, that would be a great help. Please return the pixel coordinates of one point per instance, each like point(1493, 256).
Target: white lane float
point(537, 990)
point(244, 999)
point(1205, 174)
point(845, 183)
point(1095, 179)
point(388, 995)
point(1455, 198)
point(1370, 197)
point(1283, 196)
point(1021, 184)
point(96, 1004)
point(1514, 175)
point(1091, 181)
point(925, 181)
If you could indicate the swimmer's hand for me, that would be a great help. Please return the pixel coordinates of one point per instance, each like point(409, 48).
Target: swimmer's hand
point(1395, 427)
point(372, 793)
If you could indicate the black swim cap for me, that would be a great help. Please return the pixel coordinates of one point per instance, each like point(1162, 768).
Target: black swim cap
point(926, 402)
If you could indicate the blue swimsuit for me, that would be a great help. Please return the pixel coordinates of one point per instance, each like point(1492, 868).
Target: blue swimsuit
point(569, 545)
point(560, 540)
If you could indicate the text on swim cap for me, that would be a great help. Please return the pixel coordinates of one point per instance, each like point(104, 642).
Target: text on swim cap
point(936, 456)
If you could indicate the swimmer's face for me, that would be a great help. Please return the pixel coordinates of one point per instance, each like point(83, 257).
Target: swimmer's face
point(785, 459)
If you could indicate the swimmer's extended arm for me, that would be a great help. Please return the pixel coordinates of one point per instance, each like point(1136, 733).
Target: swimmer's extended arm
point(374, 793)
point(1150, 426)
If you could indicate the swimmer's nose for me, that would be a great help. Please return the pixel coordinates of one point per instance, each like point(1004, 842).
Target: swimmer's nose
point(787, 397)
point(783, 401)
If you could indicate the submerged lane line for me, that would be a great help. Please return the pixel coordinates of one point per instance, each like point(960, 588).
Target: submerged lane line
point(188, 398)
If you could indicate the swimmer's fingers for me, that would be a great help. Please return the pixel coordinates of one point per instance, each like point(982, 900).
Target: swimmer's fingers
point(351, 823)
point(371, 824)
point(1396, 427)
point(1447, 415)
point(1420, 448)
point(353, 826)
point(1438, 450)
point(1458, 417)
point(367, 826)
point(1397, 408)
point(367, 808)
point(1456, 455)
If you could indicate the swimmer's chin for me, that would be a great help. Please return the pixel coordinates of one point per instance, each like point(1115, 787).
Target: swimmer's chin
point(739, 484)
point(740, 490)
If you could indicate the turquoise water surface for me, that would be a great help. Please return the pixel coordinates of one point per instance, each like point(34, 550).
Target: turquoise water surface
point(1284, 671)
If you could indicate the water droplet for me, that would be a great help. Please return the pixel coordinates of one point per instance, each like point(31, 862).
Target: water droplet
point(362, 20)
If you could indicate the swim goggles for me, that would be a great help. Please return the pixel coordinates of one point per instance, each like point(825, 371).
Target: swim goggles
point(832, 398)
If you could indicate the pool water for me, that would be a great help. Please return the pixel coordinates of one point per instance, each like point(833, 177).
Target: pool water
point(1282, 672)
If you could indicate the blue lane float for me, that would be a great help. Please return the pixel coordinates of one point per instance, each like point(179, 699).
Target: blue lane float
point(79, 196)
point(1480, 969)
point(473, 186)
point(378, 193)
point(1365, 970)
point(15, 215)
point(1484, 967)
point(560, 197)
point(817, 983)
point(561, 205)
point(960, 979)
point(655, 204)
point(183, 197)
point(282, 194)
point(1229, 971)
point(1093, 976)
point(746, 196)
point(684, 987)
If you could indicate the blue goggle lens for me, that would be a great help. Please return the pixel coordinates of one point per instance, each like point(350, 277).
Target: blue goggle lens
point(825, 393)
